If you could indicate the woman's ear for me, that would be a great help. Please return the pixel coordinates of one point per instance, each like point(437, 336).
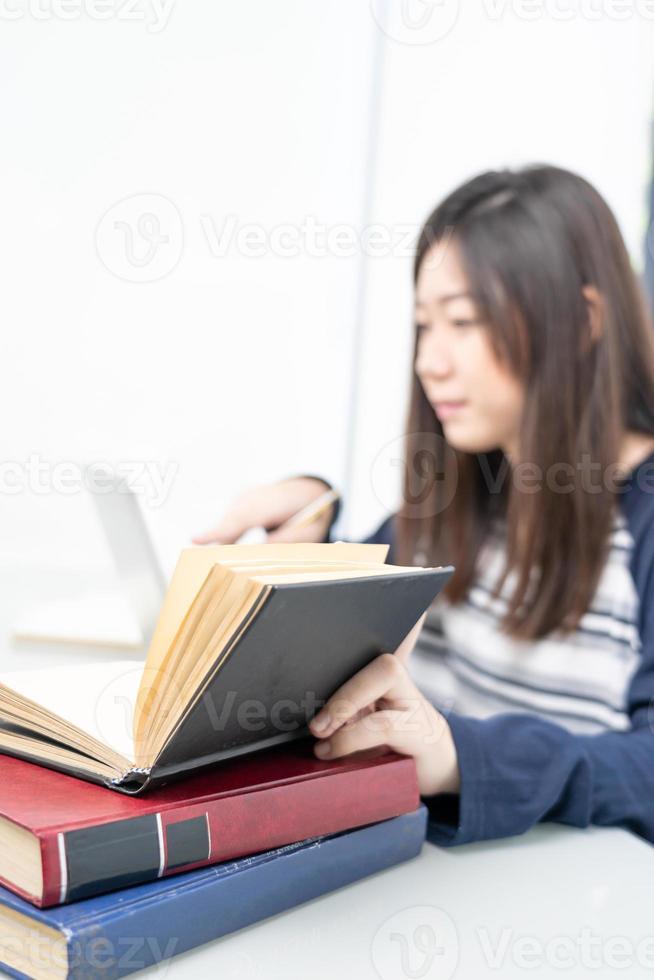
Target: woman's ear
point(595, 308)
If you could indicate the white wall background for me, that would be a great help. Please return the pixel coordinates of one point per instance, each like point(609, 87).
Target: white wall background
point(235, 368)
point(205, 118)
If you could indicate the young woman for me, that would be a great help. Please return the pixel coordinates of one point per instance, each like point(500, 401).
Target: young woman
point(530, 468)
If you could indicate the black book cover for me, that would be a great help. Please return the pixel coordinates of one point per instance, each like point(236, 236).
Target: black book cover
point(303, 643)
point(297, 646)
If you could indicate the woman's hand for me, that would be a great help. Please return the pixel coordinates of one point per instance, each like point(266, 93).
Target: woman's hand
point(381, 705)
point(270, 505)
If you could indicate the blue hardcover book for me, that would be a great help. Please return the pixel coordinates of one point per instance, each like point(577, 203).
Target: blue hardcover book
point(116, 934)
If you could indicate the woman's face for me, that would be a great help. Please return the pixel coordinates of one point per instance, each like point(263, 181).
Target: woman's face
point(478, 400)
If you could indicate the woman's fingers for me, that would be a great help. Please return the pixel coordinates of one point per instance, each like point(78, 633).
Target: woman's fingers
point(265, 506)
point(311, 533)
point(384, 677)
point(372, 730)
point(228, 530)
point(404, 731)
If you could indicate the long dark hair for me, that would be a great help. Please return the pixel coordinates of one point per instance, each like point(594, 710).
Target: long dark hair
point(529, 241)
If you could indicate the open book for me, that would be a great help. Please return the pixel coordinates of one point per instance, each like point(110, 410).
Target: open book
point(251, 641)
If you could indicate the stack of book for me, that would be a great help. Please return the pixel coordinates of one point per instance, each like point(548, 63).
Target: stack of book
point(145, 810)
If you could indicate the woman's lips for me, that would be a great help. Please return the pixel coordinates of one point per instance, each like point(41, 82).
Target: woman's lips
point(444, 410)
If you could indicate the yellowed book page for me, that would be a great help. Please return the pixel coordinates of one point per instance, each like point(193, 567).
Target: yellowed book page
point(220, 589)
point(98, 699)
point(194, 565)
point(207, 659)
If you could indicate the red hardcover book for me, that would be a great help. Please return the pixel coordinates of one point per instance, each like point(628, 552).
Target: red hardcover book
point(64, 839)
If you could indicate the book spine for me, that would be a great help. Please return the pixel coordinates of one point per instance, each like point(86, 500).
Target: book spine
point(91, 860)
point(145, 932)
point(54, 870)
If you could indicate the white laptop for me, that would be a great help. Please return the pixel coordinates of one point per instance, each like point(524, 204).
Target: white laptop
point(124, 616)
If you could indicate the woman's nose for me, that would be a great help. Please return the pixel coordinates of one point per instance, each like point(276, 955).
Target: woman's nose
point(433, 359)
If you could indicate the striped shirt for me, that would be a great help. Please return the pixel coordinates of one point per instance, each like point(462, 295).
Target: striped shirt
point(580, 680)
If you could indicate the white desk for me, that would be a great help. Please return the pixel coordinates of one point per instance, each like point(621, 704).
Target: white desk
point(556, 902)
point(482, 902)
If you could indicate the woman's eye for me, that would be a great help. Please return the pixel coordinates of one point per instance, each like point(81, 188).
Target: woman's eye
point(459, 322)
